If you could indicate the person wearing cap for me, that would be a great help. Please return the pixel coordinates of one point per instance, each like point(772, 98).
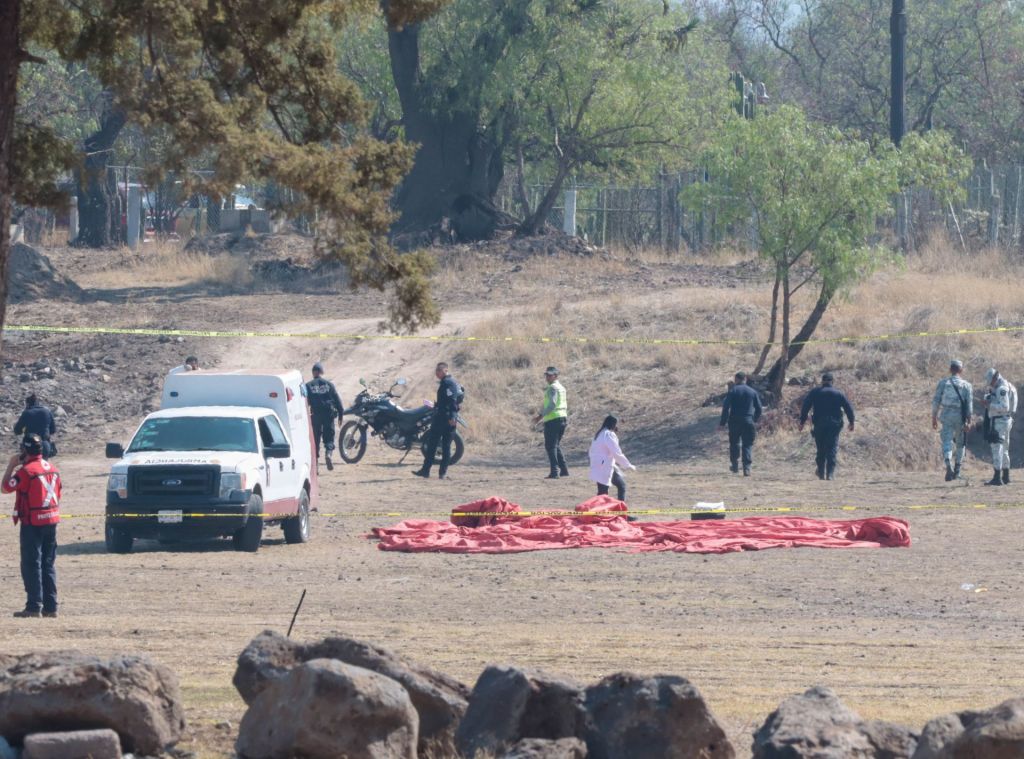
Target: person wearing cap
point(37, 419)
point(952, 408)
point(827, 404)
point(554, 412)
point(1001, 404)
point(741, 410)
point(36, 485)
point(324, 406)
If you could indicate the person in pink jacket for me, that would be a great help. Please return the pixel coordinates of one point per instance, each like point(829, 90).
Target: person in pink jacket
point(607, 459)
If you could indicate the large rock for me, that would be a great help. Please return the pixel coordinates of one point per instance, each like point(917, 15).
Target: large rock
point(134, 697)
point(325, 709)
point(996, 733)
point(539, 748)
point(439, 700)
point(77, 744)
point(509, 704)
point(817, 725)
point(660, 717)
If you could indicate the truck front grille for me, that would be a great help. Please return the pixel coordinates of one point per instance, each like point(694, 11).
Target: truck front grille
point(173, 481)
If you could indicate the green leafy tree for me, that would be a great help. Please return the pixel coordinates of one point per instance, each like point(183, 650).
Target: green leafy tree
point(250, 86)
point(617, 85)
point(814, 197)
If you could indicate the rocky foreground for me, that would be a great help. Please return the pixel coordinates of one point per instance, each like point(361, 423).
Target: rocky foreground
point(341, 697)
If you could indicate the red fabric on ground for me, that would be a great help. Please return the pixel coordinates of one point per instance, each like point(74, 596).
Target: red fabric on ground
point(507, 534)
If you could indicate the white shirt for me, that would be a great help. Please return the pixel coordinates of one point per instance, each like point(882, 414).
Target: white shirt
point(605, 454)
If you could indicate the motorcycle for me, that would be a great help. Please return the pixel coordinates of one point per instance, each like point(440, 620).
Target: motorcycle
point(378, 414)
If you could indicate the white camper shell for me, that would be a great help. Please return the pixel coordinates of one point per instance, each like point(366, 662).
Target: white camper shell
point(227, 453)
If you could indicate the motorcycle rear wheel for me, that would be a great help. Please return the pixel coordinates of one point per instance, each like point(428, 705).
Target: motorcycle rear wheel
point(352, 442)
point(458, 448)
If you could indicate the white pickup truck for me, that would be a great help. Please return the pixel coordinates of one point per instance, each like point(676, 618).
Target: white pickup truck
point(227, 454)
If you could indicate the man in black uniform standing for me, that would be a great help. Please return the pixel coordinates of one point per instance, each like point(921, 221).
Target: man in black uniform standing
point(446, 415)
point(828, 405)
point(325, 405)
point(36, 419)
point(740, 411)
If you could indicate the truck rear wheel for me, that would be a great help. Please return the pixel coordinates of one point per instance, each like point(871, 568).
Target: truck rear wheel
point(296, 529)
point(248, 538)
point(117, 541)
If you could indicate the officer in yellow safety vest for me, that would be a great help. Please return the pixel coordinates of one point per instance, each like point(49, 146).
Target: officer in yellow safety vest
point(555, 414)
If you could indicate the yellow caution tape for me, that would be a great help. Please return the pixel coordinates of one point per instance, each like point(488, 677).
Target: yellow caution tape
point(146, 331)
point(567, 513)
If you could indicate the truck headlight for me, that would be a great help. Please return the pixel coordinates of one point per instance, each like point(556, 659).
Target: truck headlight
point(118, 483)
point(231, 481)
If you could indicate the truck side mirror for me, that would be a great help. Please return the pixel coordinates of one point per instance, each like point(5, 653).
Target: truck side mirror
point(277, 451)
point(115, 451)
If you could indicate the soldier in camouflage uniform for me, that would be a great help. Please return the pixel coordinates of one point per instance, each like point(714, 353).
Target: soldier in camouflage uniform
point(1001, 402)
point(952, 407)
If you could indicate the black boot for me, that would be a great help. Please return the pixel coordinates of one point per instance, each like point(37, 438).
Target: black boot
point(956, 472)
point(820, 471)
point(949, 472)
point(734, 467)
point(552, 476)
point(830, 473)
point(746, 470)
point(563, 472)
point(997, 478)
point(1006, 476)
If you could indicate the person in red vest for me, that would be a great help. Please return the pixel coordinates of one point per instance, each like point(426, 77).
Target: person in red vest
point(36, 485)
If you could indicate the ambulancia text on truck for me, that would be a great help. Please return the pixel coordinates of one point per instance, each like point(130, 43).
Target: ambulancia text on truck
point(226, 455)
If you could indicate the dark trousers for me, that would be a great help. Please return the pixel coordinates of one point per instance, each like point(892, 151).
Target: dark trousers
point(826, 440)
point(553, 431)
point(620, 486)
point(323, 429)
point(38, 569)
point(741, 439)
point(440, 433)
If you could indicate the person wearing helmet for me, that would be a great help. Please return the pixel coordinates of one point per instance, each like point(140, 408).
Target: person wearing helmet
point(325, 406)
point(1000, 403)
point(36, 485)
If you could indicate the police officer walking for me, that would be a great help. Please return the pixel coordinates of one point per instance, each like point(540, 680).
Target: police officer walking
point(828, 405)
point(37, 419)
point(740, 411)
point(1001, 402)
point(325, 406)
point(442, 424)
point(36, 483)
point(554, 412)
point(953, 407)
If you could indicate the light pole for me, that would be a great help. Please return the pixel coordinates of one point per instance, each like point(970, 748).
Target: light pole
point(898, 38)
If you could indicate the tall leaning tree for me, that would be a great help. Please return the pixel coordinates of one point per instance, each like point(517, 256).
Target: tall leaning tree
point(251, 88)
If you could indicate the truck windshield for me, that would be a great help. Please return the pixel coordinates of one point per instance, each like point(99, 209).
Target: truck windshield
point(195, 433)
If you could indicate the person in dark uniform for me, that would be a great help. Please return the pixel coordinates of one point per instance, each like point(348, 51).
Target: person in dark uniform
point(37, 419)
point(442, 424)
point(325, 406)
point(740, 411)
point(827, 405)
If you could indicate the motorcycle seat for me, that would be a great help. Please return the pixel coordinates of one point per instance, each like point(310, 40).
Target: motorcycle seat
point(413, 413)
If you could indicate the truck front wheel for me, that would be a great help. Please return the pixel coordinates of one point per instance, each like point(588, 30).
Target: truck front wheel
point(117, 541)
point(296, 528)
point(248, 538)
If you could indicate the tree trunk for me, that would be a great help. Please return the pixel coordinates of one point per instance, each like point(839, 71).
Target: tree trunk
point(522, 196)
point(794, 348)
point(774, 325)
point(96, 218)
point(9, 62)
point(535, 222)
point(458, 166)
point(777, 376)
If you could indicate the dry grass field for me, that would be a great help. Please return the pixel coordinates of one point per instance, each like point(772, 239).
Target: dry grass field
point(891, 630)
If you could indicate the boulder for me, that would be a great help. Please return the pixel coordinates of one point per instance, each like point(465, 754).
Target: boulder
point(996, 733)
point(659, 717)
point(439, 700)
point(509, 704)
point(539, 748)
point(77, 744)
point(817, 724)
point(134, 697)
point(324, 709)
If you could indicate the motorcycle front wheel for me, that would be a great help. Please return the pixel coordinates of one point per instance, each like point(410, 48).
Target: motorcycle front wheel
point(352, 442)
point(458, 448)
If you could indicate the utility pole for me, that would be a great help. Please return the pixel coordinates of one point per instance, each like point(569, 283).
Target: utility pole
point(898, 37)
